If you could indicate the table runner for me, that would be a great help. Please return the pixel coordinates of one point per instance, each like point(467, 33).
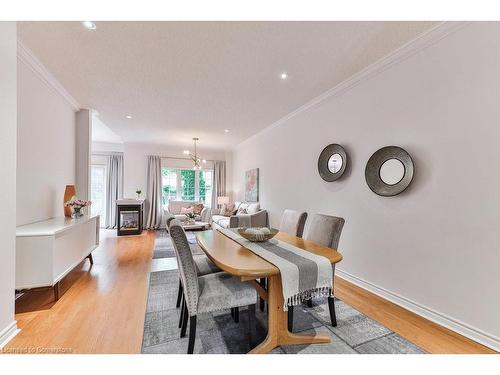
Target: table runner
point(304, 275)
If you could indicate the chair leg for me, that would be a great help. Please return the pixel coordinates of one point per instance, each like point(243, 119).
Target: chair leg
point(331, 306)
point(290, 318)
point(262, 303)
point(252, 331)
point(310, 302)
point(179, 294)
point(232, 312)
point(183, 307)
point(192, 334)
point(236, 315)
point(184, 321)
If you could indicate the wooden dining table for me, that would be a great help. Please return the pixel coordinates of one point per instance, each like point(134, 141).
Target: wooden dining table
point(239, 261)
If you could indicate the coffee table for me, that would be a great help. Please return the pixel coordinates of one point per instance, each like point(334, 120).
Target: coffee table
point(198, 225)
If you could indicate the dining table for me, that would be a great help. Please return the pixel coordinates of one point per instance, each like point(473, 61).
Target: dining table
point(239, 261)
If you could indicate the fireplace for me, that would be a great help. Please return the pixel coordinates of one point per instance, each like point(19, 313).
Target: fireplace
point(130, 215)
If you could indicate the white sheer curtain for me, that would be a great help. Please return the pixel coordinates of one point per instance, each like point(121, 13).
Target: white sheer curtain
point(219, 183)
point(153, 193)
point(114, 189)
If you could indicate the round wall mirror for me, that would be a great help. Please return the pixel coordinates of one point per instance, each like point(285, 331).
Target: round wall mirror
point(332, 162)
point(389, 171)
point(335, 163)
point(392, 171)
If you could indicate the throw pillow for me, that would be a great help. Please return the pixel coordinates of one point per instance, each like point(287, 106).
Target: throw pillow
point(253, 208)
point(243, 209)
point(186, 210)
point(227, 209)
point(197, 208)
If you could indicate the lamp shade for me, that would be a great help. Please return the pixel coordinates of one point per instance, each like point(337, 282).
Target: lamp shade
point(222, 200)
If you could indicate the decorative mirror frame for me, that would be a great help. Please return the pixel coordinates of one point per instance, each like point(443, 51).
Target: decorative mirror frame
point(323, 159)
point(372, 171)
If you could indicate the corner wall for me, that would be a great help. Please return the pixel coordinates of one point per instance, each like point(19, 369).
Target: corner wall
point(434, 248)
point(8, 121)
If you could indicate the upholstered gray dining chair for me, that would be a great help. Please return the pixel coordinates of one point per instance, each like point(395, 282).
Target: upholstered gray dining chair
point(208, 293)
point(324, 230)
point(292, 222)
point(204, 266)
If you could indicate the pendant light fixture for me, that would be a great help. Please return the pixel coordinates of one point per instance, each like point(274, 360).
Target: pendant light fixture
point(194, 157)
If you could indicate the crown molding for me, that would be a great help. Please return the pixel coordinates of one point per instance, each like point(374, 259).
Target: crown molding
point(25, 55)
point(400, 54)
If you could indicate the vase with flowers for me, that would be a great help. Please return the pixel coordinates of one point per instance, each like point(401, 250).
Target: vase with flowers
point(77, 205)
point(190, 218)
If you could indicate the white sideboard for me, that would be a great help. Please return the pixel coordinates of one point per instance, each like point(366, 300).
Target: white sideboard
point(48, 250)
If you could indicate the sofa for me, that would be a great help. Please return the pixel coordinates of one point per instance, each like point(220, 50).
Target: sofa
point(256, 217)
point(174, 209)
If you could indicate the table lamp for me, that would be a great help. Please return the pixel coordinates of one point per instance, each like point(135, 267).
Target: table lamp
point(222, 200)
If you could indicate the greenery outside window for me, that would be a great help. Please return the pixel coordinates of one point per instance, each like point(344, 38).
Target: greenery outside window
point(187, 185)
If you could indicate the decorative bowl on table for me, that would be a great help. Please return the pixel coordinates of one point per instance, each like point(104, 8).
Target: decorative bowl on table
point(257, 234)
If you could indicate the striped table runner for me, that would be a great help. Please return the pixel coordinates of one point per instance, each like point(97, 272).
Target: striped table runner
point(304, 275)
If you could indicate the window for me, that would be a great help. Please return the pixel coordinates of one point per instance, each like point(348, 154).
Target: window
point(187, 185)
point(169, 185)
point(98, 191)
point(206, 187)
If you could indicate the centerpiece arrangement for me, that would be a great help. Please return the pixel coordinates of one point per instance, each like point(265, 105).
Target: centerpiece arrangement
point(258, 234)
point(77, 205)
point(190, 218)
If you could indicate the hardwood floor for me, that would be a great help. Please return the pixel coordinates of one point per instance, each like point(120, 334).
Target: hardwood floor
point(429, 336)
point(101, 309)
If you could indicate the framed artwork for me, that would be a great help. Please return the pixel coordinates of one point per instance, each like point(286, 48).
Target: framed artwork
point(252, 185)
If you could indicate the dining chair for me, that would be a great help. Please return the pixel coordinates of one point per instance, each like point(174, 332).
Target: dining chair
point(208, 293)
point(324, 230)
point(292, 222)
point(204, 266)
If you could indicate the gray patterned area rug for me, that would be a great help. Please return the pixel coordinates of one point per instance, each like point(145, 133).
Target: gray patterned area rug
point(219, 334)
point(163, 247)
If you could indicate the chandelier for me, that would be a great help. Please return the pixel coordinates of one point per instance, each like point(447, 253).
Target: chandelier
point(194, 157)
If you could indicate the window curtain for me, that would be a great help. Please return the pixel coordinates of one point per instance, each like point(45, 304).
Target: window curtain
point(219, 183)
point(114, 189)
point(153, 193)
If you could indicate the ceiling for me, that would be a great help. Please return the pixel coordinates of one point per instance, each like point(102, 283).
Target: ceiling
point(179, 80)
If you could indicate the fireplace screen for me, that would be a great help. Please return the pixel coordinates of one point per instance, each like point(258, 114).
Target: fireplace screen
point(129, 219)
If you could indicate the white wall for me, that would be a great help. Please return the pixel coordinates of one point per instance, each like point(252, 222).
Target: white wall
point(135, 165)
point(8, 114)
point(106, 146)
point(83, 152)
point(45, 147)
point(437, 244)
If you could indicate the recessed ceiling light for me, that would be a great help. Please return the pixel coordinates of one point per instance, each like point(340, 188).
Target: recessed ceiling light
point(128, 116)
point(89, 25)
point(226, 130)
point(284, 75)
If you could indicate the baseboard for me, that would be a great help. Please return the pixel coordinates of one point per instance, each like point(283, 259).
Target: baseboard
point(457, 326)
point(8, 333)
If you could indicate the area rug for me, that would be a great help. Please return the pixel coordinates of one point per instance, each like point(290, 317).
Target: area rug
point(163, 247)
point(219, 334)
